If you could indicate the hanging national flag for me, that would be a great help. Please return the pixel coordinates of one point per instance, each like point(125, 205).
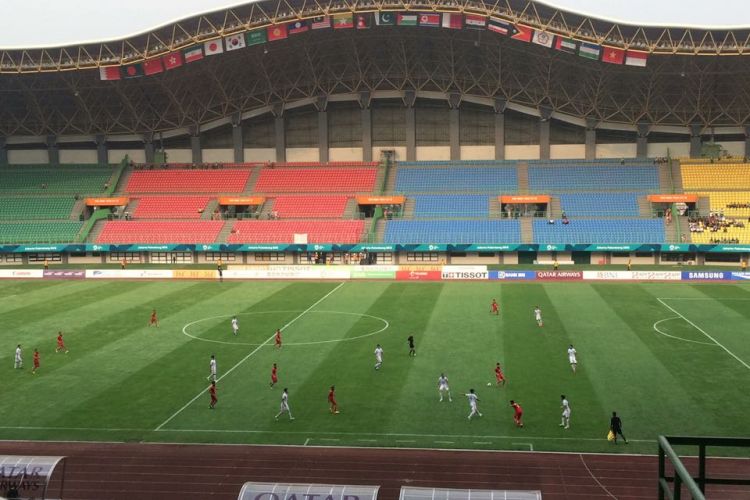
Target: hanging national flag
point(132, 71)
point(363, 21)
point(589, 50)
point(298, 27)
point(255, 37)
point(429, 20)
point(234, 42)
point(635, 58)
point(453, 21)
point(385, 19)
point(522, 33)
point(613, 55)
point(342, 21)
point(193, 54)
point(501, 27)
point(407, 19)
point(473, 21)
point(152, 67)
point(109, 73)
point(172, 60)
point(277, 32)
point(566, 44)
point(542, 38)
point(213, 47)
point(320, 22)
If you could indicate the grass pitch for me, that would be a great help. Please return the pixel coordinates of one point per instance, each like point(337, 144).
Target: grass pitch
point(669, 358)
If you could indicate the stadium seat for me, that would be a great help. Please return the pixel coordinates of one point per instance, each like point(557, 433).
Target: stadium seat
point(310, 206)
point(170, 207)
point(716, 176)
point(719, 201)
point(452, 231)
point(581, 231)
point(72, 179)
point(316, 180)
point(39, 232)
point(188, 181)
point(17, 208)
point(469, 180)
point(116, 232)
point(600, 204)
point(274, 231)
point(593, 178)
point(451, 205)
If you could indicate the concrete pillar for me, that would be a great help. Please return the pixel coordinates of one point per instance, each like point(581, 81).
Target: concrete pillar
point(411, 134)
point(102, 156)
point(545, 113)
point(148, 149)
point(499, 107)
point(590, 139)
point(3, 151)
point(641, 149)
point(323, 136)
point(195, 144)
point(747, 142)
point(695, 140)
point(238, 145)
point(454, 125)
point(367, 134)
point(53, 150)
point(280, 132)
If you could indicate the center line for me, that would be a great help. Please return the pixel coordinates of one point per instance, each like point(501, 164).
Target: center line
point(249, 355)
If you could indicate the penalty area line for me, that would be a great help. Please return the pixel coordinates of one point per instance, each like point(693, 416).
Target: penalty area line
point(240, 362)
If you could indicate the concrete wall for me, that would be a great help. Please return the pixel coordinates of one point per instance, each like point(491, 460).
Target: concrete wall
point(510, 258)
point(179, 155)
point(27, 157)
point(478, 152)
point(523, 152)
point(474, 258)
point(345, 154)
point(675, 149)
point(302, 154)
point(567, 151)
point(615, 150)
point(734, 148)
point(78, 156)
point(218, 155)
point(116, 155)
point(260, 154)
point(425, 153)
point(635, 260)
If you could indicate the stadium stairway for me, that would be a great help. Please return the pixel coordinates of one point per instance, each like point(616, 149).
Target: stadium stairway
point(223, 235)
point(95, 231)
point(555, 207)
point(75, 214)
point(208, 211)
point(684, 223)
point(390, 182)
point(249, 187)
point(351, 212)
point(409, 205)
point(522, 169)
point(123, 180)
point(703, 205)
point(677, 177)
point(644, 207)
point(132, 205)
point(665, 178)
point(495, 209)
point(379, 230)
point(527, 231)
point(266, 208)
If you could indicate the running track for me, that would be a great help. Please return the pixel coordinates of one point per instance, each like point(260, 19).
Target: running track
point(119, 471)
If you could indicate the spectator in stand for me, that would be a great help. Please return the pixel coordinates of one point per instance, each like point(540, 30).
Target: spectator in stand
point(551, 221)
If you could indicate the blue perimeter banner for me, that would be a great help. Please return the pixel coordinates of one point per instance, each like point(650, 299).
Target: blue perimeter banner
point(706, 275)
point(512, 275)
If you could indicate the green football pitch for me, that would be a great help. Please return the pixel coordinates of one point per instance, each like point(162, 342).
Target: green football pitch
point(669, 358)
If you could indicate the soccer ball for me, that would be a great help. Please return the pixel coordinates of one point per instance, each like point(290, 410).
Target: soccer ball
point(489, 384)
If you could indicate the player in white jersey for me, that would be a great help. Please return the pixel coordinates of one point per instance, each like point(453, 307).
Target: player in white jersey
point(565, 405)
point(212, 369)
point(473, 398)
point(443, 387)
point(572, 358)
point(19, 358)
point(285, 405)
point(235, 326)
point(538, 316)
point(378, 357)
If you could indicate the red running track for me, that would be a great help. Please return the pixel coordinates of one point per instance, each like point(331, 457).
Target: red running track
point(117, 471)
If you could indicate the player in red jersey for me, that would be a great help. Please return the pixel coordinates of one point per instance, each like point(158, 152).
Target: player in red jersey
point(36, 362)
point(60, 344)
point(274, 377)
point(154, 320)
point(494, 308)
point(517, 413)
point(499, 375)
point(278, 338)
point(332, 400)
point(212, 392)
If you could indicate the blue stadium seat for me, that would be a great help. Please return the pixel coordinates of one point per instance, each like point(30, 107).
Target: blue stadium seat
point(451, 205)
point(452, 231)
point(593, 178)
point(600, 204)
point(473, 180)
point(600, 231)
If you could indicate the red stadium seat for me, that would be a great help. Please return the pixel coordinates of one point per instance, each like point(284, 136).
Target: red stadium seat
point(273, 231)
point(188, 181)
point(310, 206)
point(171, 207)
point(316, 180)
point(116, 232)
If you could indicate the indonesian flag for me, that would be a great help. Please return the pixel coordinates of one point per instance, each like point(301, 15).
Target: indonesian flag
point(522, 33)
point(235, 42)
point(277, 32)
point(636, 58)
point(213, 47)
point(152, 67)
point(612, 55)
point(453, 21)
point(172, 60)
point(109, 73)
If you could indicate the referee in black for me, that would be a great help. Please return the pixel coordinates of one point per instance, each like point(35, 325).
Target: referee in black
point(615, 425)
point(412, 350)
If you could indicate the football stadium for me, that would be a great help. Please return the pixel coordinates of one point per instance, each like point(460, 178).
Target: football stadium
point(285, 249)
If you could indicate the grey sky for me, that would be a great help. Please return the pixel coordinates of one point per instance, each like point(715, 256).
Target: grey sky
point(46, 23)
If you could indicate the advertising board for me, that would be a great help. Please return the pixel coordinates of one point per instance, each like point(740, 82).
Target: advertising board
point(706, 275)
point(464, 273)
point(418, 275)
point(512, 275)
point(21, 273)
point(129, 274)
point(64, 274)
point(559, 275)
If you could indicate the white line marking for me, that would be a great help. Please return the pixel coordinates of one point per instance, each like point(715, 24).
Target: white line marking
point(531, 446)
point(367, 440)
point(328, 439)
point(702, 298)
point(655, 326)
point(306, 441)
point(405, 441)
point(482, 442)
point(704, 333)
point(609, 493)
point(445, 442)
point(161, 425)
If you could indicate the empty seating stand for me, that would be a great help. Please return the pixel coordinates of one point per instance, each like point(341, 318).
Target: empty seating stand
point(717, 176)
point(316, 180)
point(171, 207)
point(451, 205)
point(39, 232)
point(573, 178)
point(600, 204)
point(42, 207)
point(452, 231)
point(581, 231)
point(188, 181)
point(115, 232)
point(275, 231)
point(83, 179)
point(457, 180)
point(310, 206)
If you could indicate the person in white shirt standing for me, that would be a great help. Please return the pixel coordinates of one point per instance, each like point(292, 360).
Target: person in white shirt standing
point(235, 326)
point(19, 358)
point(565, 405)
point(473, 398)
point(572, 358)
point(443, 387)
point(212, 369)
point(285, 405)
point(378, 357)
point(538, 316)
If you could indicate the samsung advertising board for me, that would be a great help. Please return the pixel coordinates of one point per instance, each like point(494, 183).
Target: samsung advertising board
point(706, 275)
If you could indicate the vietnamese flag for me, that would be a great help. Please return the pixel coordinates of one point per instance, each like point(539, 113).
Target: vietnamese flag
point(152, 67)
point(277, 32)
point(172, 60)
point(612, 55)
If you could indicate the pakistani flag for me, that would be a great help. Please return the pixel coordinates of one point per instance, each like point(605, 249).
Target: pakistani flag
point(385, 19)
point(255, 37)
